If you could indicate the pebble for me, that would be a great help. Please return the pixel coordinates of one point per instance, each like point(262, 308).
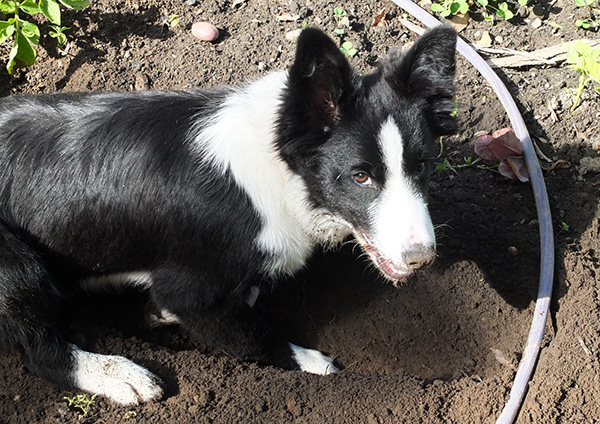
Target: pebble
point(205, 31)
point(513, 251)
point(293, 35)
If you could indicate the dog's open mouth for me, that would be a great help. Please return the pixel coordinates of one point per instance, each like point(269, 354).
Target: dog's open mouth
point(385, 266)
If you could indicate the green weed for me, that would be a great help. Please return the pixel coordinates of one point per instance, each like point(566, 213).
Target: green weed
point(26, 34)
point(348, 49)
point(589, 23)
point(81, 402)
point(450, 7)
point(584, 59)
point(339, 14)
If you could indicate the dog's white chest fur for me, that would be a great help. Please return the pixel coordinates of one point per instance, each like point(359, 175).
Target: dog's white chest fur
point(240, 139)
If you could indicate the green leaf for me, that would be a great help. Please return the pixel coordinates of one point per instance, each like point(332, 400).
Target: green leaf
point(435, 7)
point(583, 3)
point(8, 7)
point(61, 38)
point(22, 51)
point(338, 11)
point(30, 7)
point(464, 7)
point(31, 31)
point(454, 8)
point(484, 3)
point(75, 4)
point(7, 29)
point(51, 10)
point(592, 69)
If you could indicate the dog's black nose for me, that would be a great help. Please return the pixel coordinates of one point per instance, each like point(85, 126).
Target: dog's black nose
point(419, 256)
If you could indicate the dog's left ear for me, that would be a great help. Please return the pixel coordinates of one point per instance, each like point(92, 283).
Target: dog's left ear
point(321, 76)
point(426, 74)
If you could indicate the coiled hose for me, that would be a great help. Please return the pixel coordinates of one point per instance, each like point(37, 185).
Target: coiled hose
point(540, 315)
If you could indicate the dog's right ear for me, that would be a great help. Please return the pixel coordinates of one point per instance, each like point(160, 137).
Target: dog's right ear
point(321, 77)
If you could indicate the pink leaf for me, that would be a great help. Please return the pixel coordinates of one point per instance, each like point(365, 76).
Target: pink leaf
point(514, 168)
point(504, 146)
point(500, 145)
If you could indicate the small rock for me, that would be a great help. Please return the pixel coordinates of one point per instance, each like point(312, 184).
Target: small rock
point(588, 164)
point(142, 81)
point(293, 35)
point(205, 31)
point(536, 23)
point(513, 251)
point(192, 2)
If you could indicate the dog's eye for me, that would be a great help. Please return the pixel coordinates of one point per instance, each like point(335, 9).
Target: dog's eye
point(362, 178)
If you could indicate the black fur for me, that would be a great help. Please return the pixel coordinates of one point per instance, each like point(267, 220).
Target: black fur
point(105, 183)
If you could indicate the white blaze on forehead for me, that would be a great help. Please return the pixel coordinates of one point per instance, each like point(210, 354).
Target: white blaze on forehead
point(399, 218)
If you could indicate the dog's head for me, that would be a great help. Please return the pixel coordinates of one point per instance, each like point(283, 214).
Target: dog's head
point(364, 145)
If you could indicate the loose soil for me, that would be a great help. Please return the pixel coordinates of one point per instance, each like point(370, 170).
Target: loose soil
point(442, 348)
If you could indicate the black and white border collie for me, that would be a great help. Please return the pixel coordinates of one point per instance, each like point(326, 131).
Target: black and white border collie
point(200, 197)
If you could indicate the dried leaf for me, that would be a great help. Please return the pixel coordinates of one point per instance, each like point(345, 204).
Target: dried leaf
point(514, 168)
point(287, 17)
point(500, 145)
point(504, 146)
point(560, 164)
point(460, 21)
point(379, 19)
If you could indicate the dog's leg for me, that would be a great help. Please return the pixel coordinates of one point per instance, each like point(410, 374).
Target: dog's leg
point(232, 325)
point(28, 322)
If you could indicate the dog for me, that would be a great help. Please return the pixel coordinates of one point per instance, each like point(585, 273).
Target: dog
point(200, 197)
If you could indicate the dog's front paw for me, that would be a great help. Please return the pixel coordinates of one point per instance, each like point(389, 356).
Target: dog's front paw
point(114, 377)
point(313, 361)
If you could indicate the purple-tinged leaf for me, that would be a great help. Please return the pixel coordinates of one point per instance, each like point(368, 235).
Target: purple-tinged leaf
point(504, 146)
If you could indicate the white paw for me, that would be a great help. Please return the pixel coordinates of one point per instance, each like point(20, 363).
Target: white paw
point(115, 377)
point(313, 361)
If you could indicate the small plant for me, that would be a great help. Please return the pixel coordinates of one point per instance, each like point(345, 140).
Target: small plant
point(27, 34)
point(450, 7)
point(501, 10)
point(564, 226)
point(340, 14)
point(81, 402)
point(583, 3)
point(589, 23)
point(584, 59)
point(348, 49)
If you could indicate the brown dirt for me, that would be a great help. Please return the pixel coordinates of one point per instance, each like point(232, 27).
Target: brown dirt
point(442, 348)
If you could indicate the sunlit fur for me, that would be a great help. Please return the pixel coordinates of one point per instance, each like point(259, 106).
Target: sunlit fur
point(202, 198)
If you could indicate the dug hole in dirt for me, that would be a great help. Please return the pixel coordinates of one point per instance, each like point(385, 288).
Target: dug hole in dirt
point(443, 347)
